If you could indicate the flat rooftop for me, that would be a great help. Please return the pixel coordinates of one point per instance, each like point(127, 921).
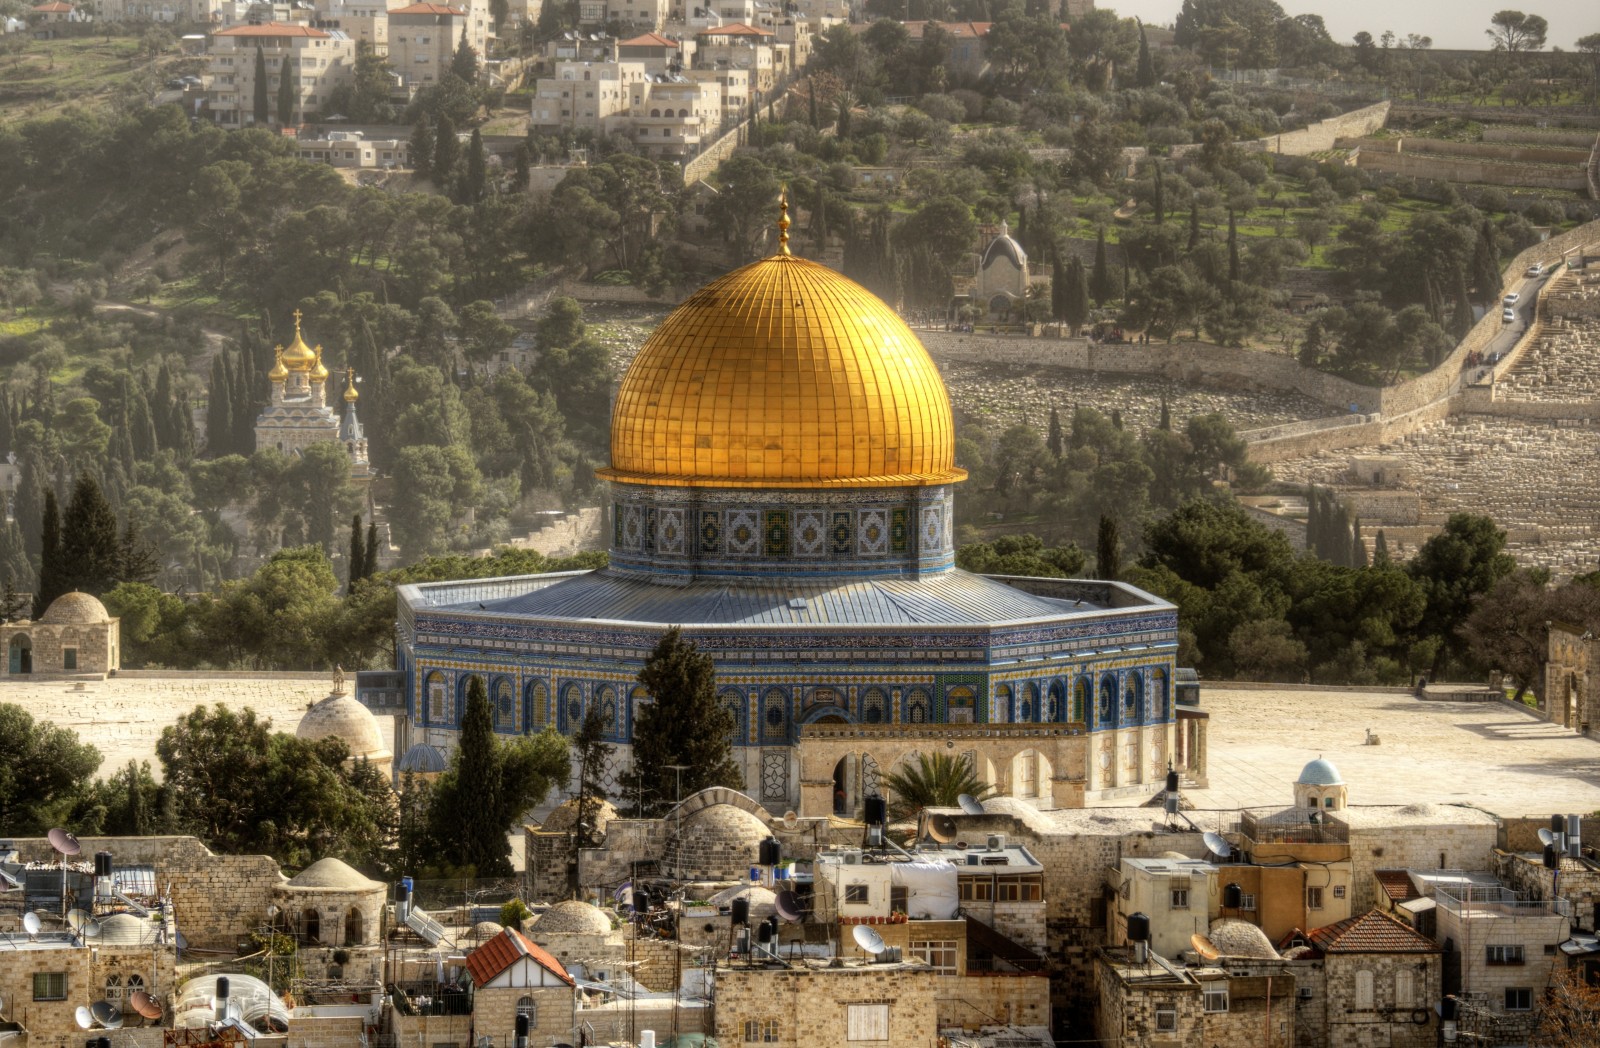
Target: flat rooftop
point(1487, 754)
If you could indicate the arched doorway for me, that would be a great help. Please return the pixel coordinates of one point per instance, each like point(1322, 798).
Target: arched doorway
point(21, 654)
point(844, 785)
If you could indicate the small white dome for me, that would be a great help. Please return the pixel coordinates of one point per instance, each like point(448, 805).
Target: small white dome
point(1320, 773)
point(343, 717)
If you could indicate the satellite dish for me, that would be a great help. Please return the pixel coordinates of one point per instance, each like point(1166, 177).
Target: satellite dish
point(30, 923)
point(145, 1005)
point(942, 828)
point(1204, 947)
point(64, 842)
point(970, 804)
point(76, 919)
point(106, 1014)
point(1546, 838)
point(84, 1017)
point(91, 929)
point(787, 905)
point(868, 939)
point(1217, 844)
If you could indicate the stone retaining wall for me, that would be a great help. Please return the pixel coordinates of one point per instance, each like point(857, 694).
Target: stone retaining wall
point(1542, 136)
point(1527, 154)
point(1560, 116)
point(1477, 171)
point(1324, 133)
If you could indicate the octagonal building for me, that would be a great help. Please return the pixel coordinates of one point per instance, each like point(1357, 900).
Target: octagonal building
point(781, 483)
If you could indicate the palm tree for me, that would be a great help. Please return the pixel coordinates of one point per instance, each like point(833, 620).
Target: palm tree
point(935, 781)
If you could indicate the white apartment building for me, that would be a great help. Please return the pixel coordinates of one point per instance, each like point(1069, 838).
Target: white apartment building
point(163, 11)
point(645, 15)
point(361, 20)
point(319, 59)
point(671, 116)
point(584, 95)
point(423, 40)
point(734, 86)
point(740, 47)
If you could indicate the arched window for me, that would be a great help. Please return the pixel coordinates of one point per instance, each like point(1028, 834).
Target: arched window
point(959, 705)
point(1058, 701)
point(1133, 699)
point(917, 706)
point(505, 706)
point(874, 706)
point(310, 926)
point(435, 692)
point(464, 688)
point(538, 705)
point(1000, 708)
point(1363, 990)
point(354, 927)
point(1108, 701)
point(733, 702)
point(1080, 700)
point(638, 699)
point(572, 705)
point(1159, 692)
point(1032, 709)
point(655, 112)
point(606, 696)
point(774, 717)
point(113, 987)
point(526, 1006)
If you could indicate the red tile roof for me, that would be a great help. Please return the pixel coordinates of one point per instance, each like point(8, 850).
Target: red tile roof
point(273, 29)
point(649, 40)
point(430, 9)
point(1371, 932)
point(510, 946)
point(736, 29)
point(1396, 884)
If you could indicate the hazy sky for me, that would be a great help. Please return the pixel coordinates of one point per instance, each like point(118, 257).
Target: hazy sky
point(1451, 23)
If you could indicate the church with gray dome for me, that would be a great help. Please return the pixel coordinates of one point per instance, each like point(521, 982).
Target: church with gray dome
point(782, 476)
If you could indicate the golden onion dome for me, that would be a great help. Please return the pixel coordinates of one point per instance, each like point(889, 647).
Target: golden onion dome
point(319, 370)
point(350, 394)
point(782, 374)
point(299, 356)
point(278, 372)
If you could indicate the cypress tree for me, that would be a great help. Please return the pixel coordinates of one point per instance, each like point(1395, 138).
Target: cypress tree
point(464, 63)
point(49, 587)
point(261, 115)
point(477, 169)
point(1233, 249)
point(1100, 280)
point(819, 223)
point(684, 725)
point(1146, 76)
point(1055, 441)
point(481, 842)
point(1077, 299)
point(1380, 551)
point(1058, 289)
point(219, 408)
point(369, 563)
point(28, 506)
point(1160, 197)
point(811, 97)
point(358, 555)
point(91, 552)
point(1108, 550)
point(286, 93)
point(1116, 418)
point(446, 150)
point(14, 566)
point(1358, 548)
point(1486, 264)
point(421, 148)
point(1166, 413)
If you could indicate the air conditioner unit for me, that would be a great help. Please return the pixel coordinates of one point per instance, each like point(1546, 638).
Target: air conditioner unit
point(852, 858)
point(997, 842)
point(1305, 993)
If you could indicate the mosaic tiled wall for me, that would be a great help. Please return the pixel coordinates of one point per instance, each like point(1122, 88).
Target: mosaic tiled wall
point(723, 533)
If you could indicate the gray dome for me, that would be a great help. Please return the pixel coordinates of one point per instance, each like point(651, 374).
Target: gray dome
point(718, 842)
point(124, 929)
point(332, 874)
point(1320, 773)
point(1003, 246)
point(1235, 938)
point(572, 918)
point(422, 759)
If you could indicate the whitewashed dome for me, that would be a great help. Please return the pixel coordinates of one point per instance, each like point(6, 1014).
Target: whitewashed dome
point(573, 917)
point(342, 717)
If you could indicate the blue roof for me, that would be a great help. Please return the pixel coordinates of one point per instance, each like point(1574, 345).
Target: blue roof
point(945, 598)
point(1320, 773)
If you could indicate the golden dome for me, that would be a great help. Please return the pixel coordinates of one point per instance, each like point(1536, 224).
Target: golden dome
point(782, 374)
point(278, 372)
point(299, 356)
point(319, 370)
point(350, 394)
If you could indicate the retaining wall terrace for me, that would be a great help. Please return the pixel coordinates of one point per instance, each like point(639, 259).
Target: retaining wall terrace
point(1544, 136)
point(1525, 153)
point(1314, 138)
point(1560, 116)
point(1477, 171)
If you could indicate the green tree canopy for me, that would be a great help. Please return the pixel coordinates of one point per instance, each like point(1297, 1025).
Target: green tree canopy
point(683, 724)
point(936, 780)
point(43, 770)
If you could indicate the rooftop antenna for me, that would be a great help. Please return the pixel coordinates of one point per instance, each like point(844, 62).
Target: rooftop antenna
point(66, 844)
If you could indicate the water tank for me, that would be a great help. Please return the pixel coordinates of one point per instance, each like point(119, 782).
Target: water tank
point(1138, 927)
point(102, 864)
point(763, 932)
point(522, 1028)
point(1172, 782)
point(1552, 857)
point(877, 811)
point(741, 910)
point(770, 853)
point(1232, 897)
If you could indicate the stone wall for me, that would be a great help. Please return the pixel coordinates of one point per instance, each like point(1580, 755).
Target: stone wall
point(1579, 883)
point(1478, 171)
point(1518, 152)
point(1321, 135)
point(1544, 136)
point(811, 1007)
point(1558, 116)
point(1414, 846)
point(975, 1000)
point(1384, 507)
point(216, 899)
point(1389, 1021)
point(51, 1024)
point(555, 1017)
point(704, 165)
point(1126, 1015)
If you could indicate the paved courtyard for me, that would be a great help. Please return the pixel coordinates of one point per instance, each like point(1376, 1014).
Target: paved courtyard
point(1485, 754)
point(123, 716)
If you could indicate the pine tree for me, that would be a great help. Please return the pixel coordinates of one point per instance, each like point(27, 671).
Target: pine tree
point(287, 93)
point(446, 150)
point(358, 555)
point(1055, 440)
point(465, 61)
point(91, 550)
point(1100, 280)
point(1146, 76)
point(261, 96)
point(50, 569)
point(421, 148)
point(477, 170)
point(14, 566)
point(1108, 550)
point(137, 559)
point(684, 725)
point(13, 604)
point(369, 565)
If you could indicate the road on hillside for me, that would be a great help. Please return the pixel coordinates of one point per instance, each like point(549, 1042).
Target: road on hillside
point(1527, 288)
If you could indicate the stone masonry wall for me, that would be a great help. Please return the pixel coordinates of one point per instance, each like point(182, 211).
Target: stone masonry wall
point(216, 898)
point(1126, 1016)
point(811, 1006)
point(1389, 1021)
point(1455, 847)
point(1321, 135)
point(976, 1000)
point(51, 1024)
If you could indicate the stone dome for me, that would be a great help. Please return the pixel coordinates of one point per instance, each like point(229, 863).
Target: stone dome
point(1235, 938)
point(422, 759)
point(124, 929)
point(763, 901)
point(330, 874)
point(783, 374)
point(564, 817)
point(1320, 773)
point(572, 917)
point(1004, 246)
point(76, 609)
point(483, 931)
point(718, 842)
point(342, 717)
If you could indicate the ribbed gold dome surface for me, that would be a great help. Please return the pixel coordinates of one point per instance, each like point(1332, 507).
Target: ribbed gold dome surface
point(782, 374)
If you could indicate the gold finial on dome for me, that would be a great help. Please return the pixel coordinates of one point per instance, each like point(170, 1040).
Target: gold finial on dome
point(350, 394)
point(299, 356)
point(278, 372)
point(783, 221)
